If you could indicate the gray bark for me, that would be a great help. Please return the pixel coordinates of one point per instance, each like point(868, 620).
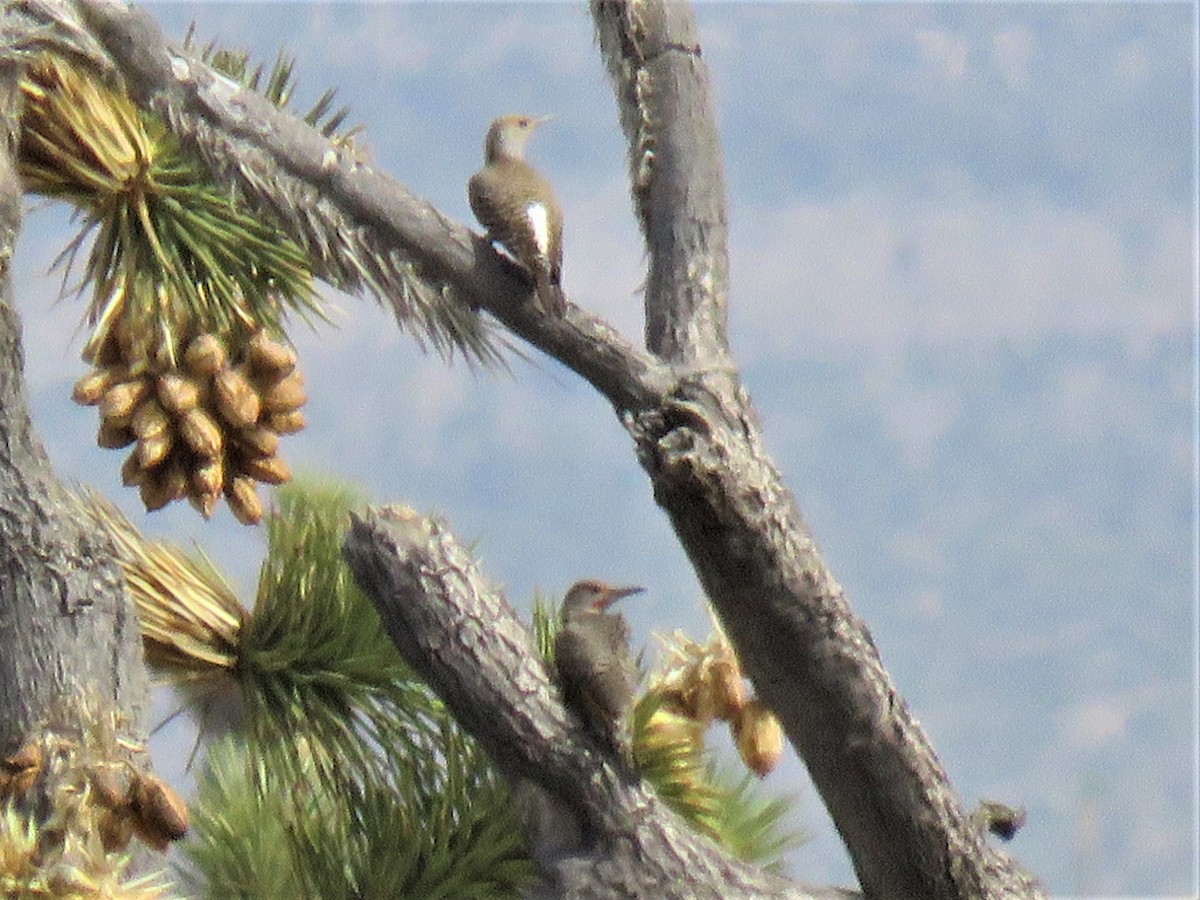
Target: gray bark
point(694, 428)
point(810, 658)
point(460, 634)
point(70, 648)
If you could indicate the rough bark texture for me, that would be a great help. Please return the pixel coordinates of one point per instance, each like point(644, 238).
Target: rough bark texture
point(460, 634)
point(70, 648)
point(696, 435)
point(810, 658)
point(653, 55)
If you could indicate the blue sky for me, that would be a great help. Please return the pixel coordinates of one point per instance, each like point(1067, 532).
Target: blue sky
point(964, 299)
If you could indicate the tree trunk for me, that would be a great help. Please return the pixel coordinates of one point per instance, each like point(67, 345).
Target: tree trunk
point(71, 671)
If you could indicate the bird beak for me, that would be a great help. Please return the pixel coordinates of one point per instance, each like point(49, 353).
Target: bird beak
point(540, 121)
point(616, 594)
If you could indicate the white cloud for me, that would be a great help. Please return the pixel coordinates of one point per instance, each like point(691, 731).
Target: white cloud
point(1011, 51)
point(604, 260)
point(1093, 723)
point(384, 34)
point(929, 604)
point(522, 37)
point(945, 52)
point(886, 268)
point(1131, 64)
point(917, 418)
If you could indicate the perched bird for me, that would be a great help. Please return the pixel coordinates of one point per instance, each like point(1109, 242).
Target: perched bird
point(518, 208)
point(596, 667)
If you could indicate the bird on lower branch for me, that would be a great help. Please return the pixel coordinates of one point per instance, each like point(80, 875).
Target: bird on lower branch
point(597, 670)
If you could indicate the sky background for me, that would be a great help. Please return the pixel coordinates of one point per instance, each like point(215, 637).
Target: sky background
point(964, 301)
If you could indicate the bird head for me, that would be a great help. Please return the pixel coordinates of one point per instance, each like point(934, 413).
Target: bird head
point(508, 136)
point(593, 597)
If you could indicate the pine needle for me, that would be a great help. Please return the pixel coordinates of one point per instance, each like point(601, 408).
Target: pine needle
point(170, 253)
point(191, 619)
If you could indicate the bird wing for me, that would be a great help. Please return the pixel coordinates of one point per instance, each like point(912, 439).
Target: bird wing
point(599, 657)
point(485, 191)
point(619, 678)
point(480, 191)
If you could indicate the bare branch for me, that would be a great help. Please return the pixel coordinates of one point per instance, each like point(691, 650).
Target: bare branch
point(810, 658)
point(653, 54)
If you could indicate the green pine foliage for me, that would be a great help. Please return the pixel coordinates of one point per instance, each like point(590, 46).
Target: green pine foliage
point(279, 86)
point(324, 687)
point(172, 253)
point(438, 827)
point(353, 780)
point(237, 848)
point(671, 753)
point(750, 821)
point(677, 762)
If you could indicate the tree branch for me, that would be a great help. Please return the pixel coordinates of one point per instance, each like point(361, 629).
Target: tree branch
point(364, 228)
point(457, 630)
point(811, 659)
point(653, 54)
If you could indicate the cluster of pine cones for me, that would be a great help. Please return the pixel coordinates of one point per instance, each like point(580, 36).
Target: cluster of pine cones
point(206, 428)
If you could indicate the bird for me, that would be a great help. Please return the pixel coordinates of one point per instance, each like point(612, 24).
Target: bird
point(597, 671)
point(517, 206)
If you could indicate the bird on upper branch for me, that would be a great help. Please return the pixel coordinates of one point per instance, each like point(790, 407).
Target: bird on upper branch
point(597, 670)
point(517, 206)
